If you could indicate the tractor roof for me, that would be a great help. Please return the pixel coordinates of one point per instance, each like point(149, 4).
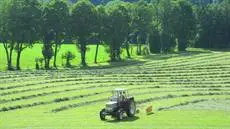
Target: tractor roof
point(119, 89)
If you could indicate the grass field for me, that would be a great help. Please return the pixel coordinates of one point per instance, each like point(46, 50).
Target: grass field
point(29, 55)
point(187, 90)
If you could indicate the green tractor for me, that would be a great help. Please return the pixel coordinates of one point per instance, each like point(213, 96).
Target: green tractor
point(119, 104)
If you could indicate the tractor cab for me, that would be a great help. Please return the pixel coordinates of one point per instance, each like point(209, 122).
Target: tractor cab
point(119, 95)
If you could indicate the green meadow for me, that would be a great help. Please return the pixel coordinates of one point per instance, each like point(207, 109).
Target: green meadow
point(186, 90)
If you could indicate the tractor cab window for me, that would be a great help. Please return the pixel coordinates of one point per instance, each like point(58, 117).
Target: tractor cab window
point(115, 96)
point(119, 96)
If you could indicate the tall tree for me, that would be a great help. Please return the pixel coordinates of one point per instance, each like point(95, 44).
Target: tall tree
point(213, 21)
point(59, 23)
point(100, 28)
point(6, 38)
point(24, 19)
point(167, 18)
point(47, 34)
point(117, 28)
point(83, 24)
point(142, 22)
point(185, 24)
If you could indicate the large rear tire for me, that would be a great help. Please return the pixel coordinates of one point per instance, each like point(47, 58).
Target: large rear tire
point(131, 109)
point(102, 114)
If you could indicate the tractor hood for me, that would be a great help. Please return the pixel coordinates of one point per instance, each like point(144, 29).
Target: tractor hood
point(111, 105)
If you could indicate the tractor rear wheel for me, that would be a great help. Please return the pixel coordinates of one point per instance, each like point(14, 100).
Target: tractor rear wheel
point(131, 109)
point(102, 114)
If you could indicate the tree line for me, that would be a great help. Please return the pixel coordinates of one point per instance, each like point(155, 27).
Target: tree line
point(161, 25)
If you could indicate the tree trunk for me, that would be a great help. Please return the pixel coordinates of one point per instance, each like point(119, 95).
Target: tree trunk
point(83, 51)
point(182, 44)
point(112, 55)
point(18, 61)
point(139, 49)
point(8, 55)
point(47, 63)
point(55, 53)
point(112, 52)
point(19, 50)
point(127, 50)
point(68, 62)
point(10, 58)
point(131, 50)
point(95, 59)
point(118, 52)
point(138, 46)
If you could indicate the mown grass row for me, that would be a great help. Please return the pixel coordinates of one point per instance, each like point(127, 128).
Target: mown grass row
point(191, 60)
point(174, 73)
point(155, 78)
point(187, 79)
point(136, 94)
point(72, 87)
point(139, 76)
point(139, 102)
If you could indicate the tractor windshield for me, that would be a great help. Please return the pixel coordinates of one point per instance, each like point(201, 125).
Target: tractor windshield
point(118, 95)
point(115, 94)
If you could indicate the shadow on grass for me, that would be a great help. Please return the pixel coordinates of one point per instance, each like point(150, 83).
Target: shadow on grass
point(164, 56)
point(149, 114)
point(219, 50)
point(121, 63)
point(125, 119)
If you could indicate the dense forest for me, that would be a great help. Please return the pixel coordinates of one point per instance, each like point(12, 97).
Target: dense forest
point(160, 26)
point(97, 2)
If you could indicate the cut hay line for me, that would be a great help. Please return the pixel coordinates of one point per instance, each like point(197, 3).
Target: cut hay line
point(180, 72)
point(187, 103)
point(178, 96)
point(70, 106)
point(80, 81)
point(81, 88)
point(182, 104)
point(149, 78)
point(4, 109)
point(62, 85)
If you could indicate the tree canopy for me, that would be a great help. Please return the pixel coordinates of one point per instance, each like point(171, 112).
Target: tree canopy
point(160, 25)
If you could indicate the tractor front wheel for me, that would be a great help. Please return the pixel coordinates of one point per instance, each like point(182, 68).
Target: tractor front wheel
point(102, 114)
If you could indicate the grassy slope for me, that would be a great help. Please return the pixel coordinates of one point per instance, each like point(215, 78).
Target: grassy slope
point(29, 55)
point(196, 74)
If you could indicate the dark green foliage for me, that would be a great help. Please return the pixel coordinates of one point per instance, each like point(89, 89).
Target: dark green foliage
point(59, 23)
point(185, 24)
point(159, 26)
point(83, 24)
point(214, 26)
point(20, 26)
point(47, 52)
point(142, 18)
point(155, 42)
point(117, 28)
point(55, 19)
point(68, 56)
point(39, 63)
point(163, 32)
